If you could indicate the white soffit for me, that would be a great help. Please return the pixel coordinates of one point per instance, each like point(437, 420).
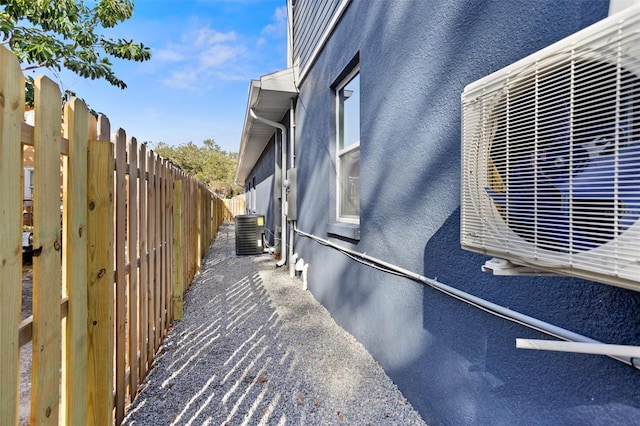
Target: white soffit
point(270, 98)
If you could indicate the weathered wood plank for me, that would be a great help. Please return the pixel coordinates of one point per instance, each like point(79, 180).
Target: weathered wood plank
point(47, 278)
point(76, 119)
point(11, 111)
point(100, 277)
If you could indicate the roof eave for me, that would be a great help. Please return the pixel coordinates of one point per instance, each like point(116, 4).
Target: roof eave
point(270, 98)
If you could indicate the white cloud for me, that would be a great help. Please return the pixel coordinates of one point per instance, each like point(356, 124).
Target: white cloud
point(201, 55)
point(181, 79)
point(208, 36)
point(219, 55)
point(168, 55)
point(278, 28)
point(233, 75)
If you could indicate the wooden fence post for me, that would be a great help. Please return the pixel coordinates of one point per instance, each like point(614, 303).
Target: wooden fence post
point(47, 277)
point(12, 89)
point(178, 245)
point(76, 122)
point(100, 277)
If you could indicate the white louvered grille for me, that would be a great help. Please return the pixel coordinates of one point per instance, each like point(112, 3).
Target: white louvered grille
point(551, 157)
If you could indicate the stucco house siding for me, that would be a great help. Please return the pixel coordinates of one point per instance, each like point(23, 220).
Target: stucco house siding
point(455, 363)
point(262, 176)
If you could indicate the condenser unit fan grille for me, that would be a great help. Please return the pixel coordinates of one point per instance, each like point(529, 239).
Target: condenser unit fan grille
point(551, 156)
point(249, 234)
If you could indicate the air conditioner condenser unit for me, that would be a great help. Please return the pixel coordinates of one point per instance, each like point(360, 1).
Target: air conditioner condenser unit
point(551, 157)
point(249, 234)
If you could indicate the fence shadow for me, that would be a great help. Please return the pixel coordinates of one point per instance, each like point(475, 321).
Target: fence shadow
point(221, 357)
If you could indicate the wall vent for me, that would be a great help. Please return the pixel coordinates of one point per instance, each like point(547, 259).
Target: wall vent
point(551, 157)
point(249, 234)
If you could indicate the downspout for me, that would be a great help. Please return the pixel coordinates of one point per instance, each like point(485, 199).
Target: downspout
point(283, 137)
point(292, 164)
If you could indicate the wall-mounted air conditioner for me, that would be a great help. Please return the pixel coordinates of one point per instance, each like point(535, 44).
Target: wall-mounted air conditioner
point(249, 234)
point(551, 157)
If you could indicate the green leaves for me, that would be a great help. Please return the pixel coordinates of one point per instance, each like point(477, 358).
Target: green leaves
point(208, 163)
point(67, 33)
point(127, 49)
point(109, 13)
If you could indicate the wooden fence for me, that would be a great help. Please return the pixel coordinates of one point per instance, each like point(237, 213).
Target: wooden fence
point(234, 207)
point(113, 256)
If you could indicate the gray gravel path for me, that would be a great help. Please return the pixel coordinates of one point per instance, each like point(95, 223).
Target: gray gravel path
point(254, 348)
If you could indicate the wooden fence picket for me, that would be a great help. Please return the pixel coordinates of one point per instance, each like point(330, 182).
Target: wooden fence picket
point(74, 266)
point(110, 269)
point(169, 242)
point(162, 247)
point(198, 229)
point(11, 87)
point(178, 241)
point(47, 278)
point(133, 260)
point(100, 277)
point(144, 265)
point(121, 285)
point(157, 247)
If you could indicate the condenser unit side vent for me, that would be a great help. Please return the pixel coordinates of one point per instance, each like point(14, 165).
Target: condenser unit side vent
point(551, 157)
point(249, 234)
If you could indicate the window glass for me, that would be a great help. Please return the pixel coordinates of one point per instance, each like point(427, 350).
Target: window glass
point(348, 149)
point(350, 184)
point(350, 117)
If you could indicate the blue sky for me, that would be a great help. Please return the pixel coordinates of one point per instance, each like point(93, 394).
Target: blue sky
point(195, 87)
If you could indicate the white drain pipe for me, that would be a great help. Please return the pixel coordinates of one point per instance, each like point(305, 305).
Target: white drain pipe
point(283, 163)
point(292, 164)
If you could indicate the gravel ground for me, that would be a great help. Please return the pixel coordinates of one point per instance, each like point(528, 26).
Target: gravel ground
point(254, 348)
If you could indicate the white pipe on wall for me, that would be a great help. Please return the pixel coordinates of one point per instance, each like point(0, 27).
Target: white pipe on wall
point(472, 300)
point(292, 164)
point(283, 162)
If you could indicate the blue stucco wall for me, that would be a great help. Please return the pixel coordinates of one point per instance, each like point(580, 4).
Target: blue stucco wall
point(263, 176)
point(456, 364)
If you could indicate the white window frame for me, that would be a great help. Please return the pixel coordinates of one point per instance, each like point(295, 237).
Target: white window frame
point(254, 201)
point(344, 150)
point(29, 183)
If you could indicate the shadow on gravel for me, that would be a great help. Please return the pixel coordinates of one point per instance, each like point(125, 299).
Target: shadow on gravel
point(250, 352)
point(211, 379)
